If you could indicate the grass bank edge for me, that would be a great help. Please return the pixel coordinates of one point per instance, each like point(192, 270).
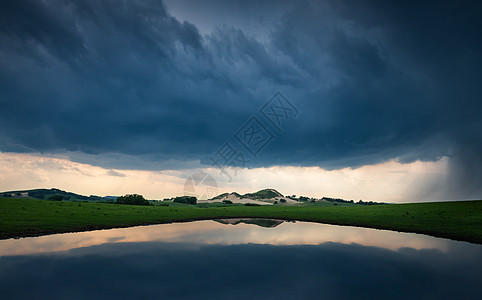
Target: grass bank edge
point(458, 220)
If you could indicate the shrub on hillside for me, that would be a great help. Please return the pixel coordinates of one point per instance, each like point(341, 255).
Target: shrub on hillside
point(186, 200)
point(55, 198)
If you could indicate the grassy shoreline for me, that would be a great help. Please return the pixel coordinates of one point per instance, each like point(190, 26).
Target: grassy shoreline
point(460, 220)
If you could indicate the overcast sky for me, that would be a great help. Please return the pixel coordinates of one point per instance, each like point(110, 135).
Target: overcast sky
point(167, 87)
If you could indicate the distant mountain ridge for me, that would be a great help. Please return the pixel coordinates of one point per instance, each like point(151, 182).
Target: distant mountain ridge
point(54, 194)
point(262, 197)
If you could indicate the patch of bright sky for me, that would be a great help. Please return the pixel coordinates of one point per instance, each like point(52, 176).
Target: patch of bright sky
point(387, 182)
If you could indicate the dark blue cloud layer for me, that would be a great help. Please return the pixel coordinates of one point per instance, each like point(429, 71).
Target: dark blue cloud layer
point(372, 81)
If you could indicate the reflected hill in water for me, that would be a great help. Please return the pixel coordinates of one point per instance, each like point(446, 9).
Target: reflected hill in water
point(268, 223)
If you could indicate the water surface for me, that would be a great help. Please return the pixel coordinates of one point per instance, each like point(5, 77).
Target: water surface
point(237, 259)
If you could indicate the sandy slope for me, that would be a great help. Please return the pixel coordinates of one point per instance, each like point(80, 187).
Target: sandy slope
point(235, 199)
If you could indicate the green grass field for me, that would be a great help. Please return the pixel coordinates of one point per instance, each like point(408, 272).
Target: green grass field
point(26, 217)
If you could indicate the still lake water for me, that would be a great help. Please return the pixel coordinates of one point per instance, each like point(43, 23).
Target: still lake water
point(239, 259)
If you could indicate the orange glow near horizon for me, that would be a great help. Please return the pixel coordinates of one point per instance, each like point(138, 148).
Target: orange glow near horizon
point(386, 182)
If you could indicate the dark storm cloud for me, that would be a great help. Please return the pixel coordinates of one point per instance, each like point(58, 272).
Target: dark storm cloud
point(372, 80)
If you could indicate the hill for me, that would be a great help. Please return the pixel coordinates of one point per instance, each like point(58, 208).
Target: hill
point(261, 197)
point(272, 196)
point(264, 194)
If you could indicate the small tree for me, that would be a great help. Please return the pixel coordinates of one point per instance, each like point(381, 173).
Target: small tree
point(282, 200)
point(132, 199)
point(227, 202)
